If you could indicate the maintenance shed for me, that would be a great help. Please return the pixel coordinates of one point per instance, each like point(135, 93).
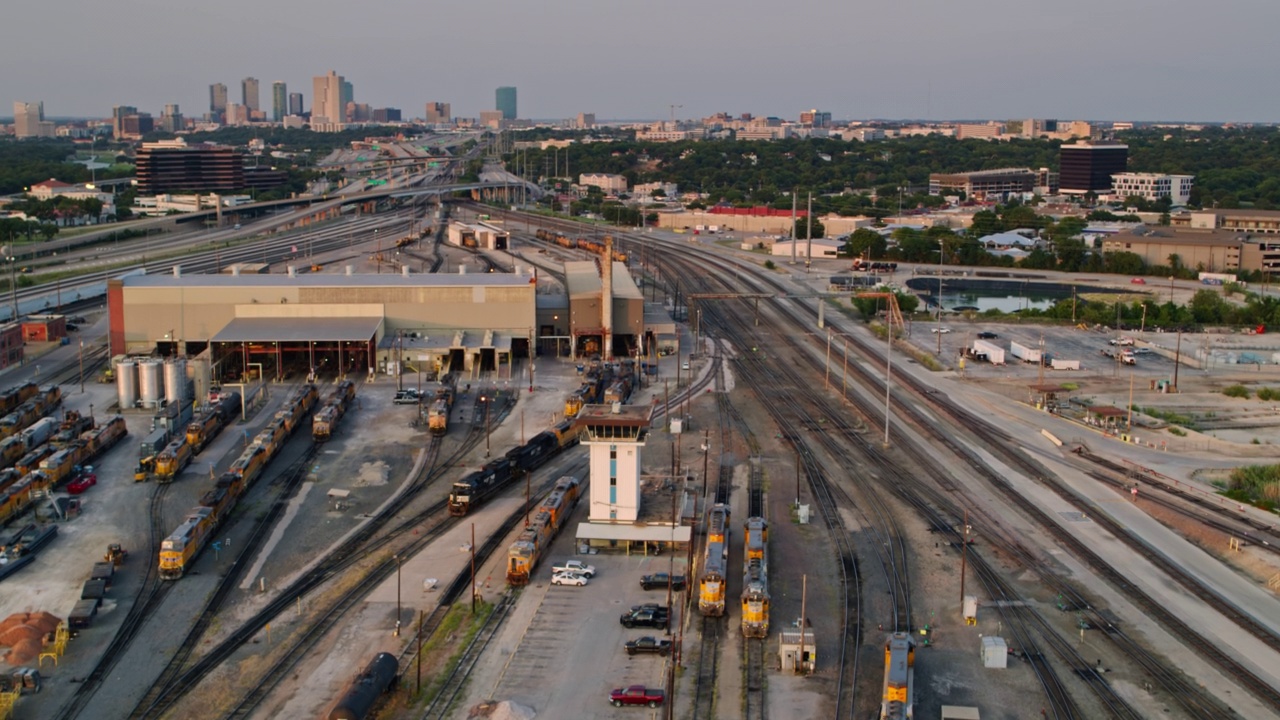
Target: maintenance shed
point(326, 322)
point(589, 325)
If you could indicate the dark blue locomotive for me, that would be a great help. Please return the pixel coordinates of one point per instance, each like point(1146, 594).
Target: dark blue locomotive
point(495, 475)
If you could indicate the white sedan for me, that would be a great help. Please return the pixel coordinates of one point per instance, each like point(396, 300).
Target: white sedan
point(940, 330)
point(568, 579)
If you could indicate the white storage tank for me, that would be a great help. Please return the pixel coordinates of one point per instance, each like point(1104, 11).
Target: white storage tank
point(201, 376)
point(127, 384)
point(175, 380)
point(150, 384)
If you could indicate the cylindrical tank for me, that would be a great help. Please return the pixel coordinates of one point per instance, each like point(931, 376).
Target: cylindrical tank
point(198, 369)
point(175, 381)
point(363, 692)
point(150, 384)
point(127, 384)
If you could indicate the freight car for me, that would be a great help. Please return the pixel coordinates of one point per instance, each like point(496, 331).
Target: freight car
point(712, 584)
point(365, 689)
point(326, 421)
point(481, 484)
point(58, 466)
point(592, 246)
point(12, 449)
point(533, 542)
point(755, 579)
point(181, 547)
point(899, 678)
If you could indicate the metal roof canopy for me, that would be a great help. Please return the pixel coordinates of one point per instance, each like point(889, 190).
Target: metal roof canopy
point(299, 329)
point(635, 533)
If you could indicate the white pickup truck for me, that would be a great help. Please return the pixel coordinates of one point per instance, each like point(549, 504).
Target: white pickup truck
point(574, 566)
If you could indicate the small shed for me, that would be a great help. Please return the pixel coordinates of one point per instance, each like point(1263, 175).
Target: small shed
point(1048, 396)
point(797, 651)
point(44, 328)
point(1107, 417)
point(995, 653)
point(960, 712)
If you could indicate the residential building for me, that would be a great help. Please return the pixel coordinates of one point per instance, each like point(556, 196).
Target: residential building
point(326, 100)
point(439, 113)
point(669, 190)
point(609, 183)
point(505, 102)
point(29, 122)
point(1086, 167)
point(1153, 186)
point(295, 104)
point(249, 95)
point(585, 121)
point(173, 166)
point(217, 101)
point(279, 101)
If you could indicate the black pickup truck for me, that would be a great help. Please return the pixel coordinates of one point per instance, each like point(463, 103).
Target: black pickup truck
point(654, 617)
point(659, 581)
point(648, 644)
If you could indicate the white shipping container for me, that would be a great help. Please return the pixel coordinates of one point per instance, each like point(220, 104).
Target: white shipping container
point(1057, 364)
point(994, 353)
point(1024, 353)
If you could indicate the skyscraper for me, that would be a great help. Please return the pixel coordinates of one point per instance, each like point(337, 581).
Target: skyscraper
point(28, 120)
point(326, 99)
point(118, 114)
point(506, 102)
point(439, 113)
point(249, 93)
point(279, 101)
point(295, 103)
point(348, 97)
point(171, 119)
point(217, 100)
point(1087, 167)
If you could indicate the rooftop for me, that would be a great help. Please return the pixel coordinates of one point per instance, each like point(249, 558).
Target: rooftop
point(323, 280)
point(1156, 234)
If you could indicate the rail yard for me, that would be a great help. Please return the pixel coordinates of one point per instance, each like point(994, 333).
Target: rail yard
point(862, 527)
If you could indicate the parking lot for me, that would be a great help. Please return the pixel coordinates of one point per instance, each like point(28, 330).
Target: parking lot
point(572, 652)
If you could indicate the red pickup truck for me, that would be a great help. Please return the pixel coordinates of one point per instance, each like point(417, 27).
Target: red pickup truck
point(637, 695)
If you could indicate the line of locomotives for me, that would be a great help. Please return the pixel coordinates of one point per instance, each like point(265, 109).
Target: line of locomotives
point(591, 246)
point(179, 550)
point(200, 432)
point(755, 569)
point(438, 412)
point(607, 383)
point(60, 459)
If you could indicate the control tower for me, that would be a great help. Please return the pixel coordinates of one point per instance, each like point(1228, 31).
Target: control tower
point(622, 512)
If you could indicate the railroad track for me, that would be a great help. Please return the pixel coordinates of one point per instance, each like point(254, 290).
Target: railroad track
point(704, 690)
point(455, 682)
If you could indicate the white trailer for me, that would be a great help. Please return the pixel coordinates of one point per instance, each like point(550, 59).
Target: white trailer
point(994, 353)
point(1025, 353)
point(1057, 364)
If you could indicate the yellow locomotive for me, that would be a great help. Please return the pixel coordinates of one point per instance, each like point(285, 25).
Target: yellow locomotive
point(551, 515)
point(899, 677)
point(755, 579)
point(712, 583)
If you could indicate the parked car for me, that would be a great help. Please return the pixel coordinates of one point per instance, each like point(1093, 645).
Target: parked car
point(1138, 281)
point(569, 578)
point(406, 397)
point(660, 580)
point(648, 644)
point(684, 365)
point(1142, 351)
point(575, 566)
point(637, 695)
point(654, 617)
point(987, 335)
point(936, 330)
point(1121, 341)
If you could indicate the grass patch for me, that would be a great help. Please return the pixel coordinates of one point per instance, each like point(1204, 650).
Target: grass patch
point(1270, 394)
point(446, 636)
point(1255, 484)
point(1236, 391)
point(1169, 416)
point(1174, 430)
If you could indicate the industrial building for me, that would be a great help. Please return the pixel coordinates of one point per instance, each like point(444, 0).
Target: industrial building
point(1212, 250)
point(478, 235)
point(276, 326)
point(1087, 167)
point(1247, 220)
point(619, 332)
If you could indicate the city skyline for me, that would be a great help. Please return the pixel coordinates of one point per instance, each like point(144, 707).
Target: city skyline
point(983, 59)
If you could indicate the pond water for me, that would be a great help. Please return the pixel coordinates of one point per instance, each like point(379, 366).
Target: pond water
point(981, 295)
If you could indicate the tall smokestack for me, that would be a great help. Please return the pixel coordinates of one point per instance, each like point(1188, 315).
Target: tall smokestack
point(606, 298)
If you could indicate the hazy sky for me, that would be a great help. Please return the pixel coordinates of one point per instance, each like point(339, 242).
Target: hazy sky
point(935, 59)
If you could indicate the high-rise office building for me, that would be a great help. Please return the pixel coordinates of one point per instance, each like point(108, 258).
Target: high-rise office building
point(217, 100)
point(118, 114)
point(279, 101)
point(326, 99)
point(439, 113)
point(173, 166)
point(295, 103)
point(29, 122)
point(249, 93)
point(1087, 167)
point(506, 102)
point(171, 119)
point(348, 97)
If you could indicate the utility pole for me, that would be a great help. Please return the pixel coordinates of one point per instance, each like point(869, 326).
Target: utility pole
point(942, 257)
point(964, 555)
point(473, 568)
point(804, 600)
point(827, 379)
point(1177, 360)
point(793, 228)
point(808, 235)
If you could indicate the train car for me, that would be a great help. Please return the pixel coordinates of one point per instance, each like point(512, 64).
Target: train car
point(714, 579)
point(246, 466)
point(31, 461)
point(481, 484)
point(552, 514)
point(365, 689)
point(60, 464)
point(181, 547)
point(573, 404)
point(44, 401)
point(325, 422)
point(12, 449)
point(533, 454)
point(104, 437)
point(296, 409)
point(618, 392)
point(755, 579)
point(438, 416)
point(13, 397)
point(172, 460)
point(899, 678)
point(273, 436)
point(211, 420)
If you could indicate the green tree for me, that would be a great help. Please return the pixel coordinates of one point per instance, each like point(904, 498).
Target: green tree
point(802, 228)
point(985, 222)
point(866, 242)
